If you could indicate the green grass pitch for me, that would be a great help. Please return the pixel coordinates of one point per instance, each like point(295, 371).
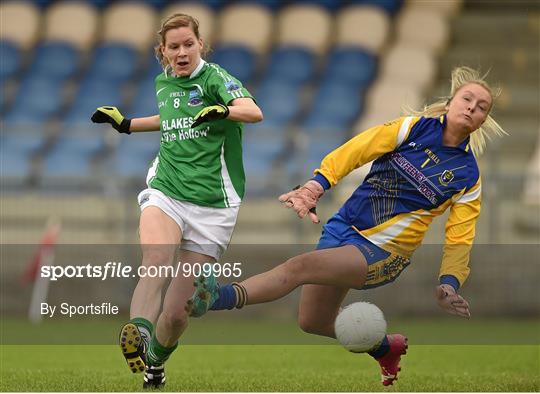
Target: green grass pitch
point(237, 359)
point(272, 368)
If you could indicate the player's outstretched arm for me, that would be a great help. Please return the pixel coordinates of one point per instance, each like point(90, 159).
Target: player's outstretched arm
point(240, 110)
point(451, 302)
point(119, 122)
point(148, 123)
point(304, 199)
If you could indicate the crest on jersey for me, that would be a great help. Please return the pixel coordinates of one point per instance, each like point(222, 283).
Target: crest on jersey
point(194, 98)
point(231, 86)
point(446, 177)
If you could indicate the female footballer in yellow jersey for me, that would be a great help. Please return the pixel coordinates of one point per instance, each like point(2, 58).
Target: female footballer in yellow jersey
point(423, 165)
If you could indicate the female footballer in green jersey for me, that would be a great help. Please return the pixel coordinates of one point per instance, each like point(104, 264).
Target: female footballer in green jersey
point(423, 165)
point(195, 186)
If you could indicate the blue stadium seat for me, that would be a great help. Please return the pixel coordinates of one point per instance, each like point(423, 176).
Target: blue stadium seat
point(10, 60)
point(37, 100)
point(239, 61)
point(92, 94)
point(71, 156)
point(114, 62)
point(351, 65)
point(133, 155)
point(16, 168)
point(42, 3)
point(56, 60)
point(159, 4)
point(330, 5)
point(272, 5)
point(18, 148)
point(309, 154)
point(214, 4)
point(144, 103)
point(335, 106)
point(153, 67)
point(262, 147)
point(65, 166)
point(279, 101)
point(22, 141)
point(291, 64)
point(390, 6)
point(100, 3)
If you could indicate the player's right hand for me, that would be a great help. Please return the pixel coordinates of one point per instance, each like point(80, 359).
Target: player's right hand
point(452, 302)
point(114, 117)
point(304, 199)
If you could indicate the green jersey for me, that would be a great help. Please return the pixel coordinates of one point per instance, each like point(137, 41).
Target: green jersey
point(202, 165)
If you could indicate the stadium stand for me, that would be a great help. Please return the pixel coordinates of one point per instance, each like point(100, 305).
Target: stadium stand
point(355, 66)
point(71, 22)
point(413, 23)
point(13, 12)
point(236, 20)
point(236, 51)
point(362, 26)
point(141, 17)
point(291, 30)
point(203, 13)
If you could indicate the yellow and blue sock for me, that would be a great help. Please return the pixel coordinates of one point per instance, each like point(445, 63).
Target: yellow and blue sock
point(231, 296)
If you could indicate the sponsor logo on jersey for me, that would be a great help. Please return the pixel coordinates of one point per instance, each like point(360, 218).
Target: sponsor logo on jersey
point(231, 86)
point(417, 178)
point(176, 123)
point(194, 98)
point(181, 135)
point(446, 177)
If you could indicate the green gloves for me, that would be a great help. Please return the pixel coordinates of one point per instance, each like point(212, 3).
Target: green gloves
point(211, 113)
point(114, 117)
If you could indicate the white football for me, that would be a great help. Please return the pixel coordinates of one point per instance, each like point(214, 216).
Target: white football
point(360, 327)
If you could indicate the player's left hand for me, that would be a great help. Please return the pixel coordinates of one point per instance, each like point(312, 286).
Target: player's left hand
point(451, 302)
point(210, 114)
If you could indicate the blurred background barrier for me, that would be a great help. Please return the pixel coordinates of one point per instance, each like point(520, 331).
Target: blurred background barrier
point(322, 71)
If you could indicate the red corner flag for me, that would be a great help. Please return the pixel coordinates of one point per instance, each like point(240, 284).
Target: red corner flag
point(44, 256)
point(44, 251)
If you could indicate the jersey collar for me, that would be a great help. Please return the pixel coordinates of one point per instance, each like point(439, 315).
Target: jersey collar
point(197, 69)
point(195, 72)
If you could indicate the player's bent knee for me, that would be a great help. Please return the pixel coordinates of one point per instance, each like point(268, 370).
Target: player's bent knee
point(297, 268)
point(310, 325)
point(305, 324)
point(156, 257)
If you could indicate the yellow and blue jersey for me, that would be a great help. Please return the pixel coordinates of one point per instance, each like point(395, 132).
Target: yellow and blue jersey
point(413, 178)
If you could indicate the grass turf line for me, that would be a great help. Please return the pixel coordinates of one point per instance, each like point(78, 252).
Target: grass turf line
point(272, 368)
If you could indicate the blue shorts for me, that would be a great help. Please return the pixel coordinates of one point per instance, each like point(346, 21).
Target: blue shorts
point(383, 267)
